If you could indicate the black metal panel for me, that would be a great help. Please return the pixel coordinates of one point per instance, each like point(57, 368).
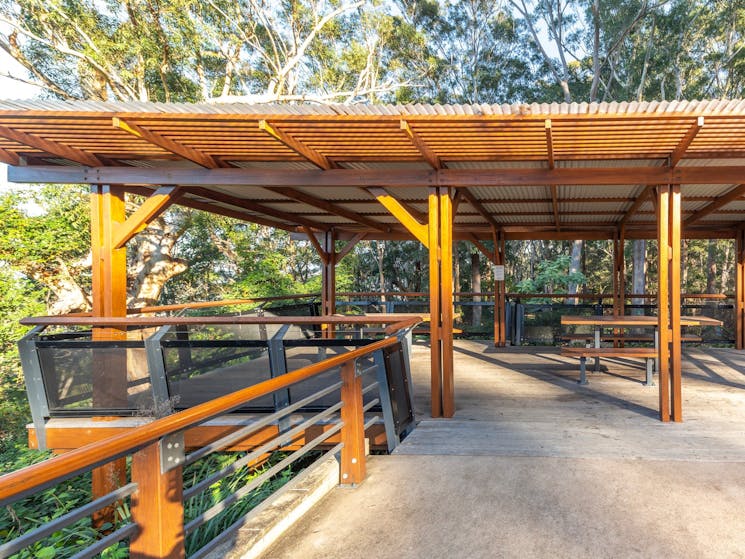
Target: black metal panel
point(399, 389)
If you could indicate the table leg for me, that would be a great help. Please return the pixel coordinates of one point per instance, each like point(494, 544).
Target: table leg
point(657, 350)
point(597, 346)
point(650, 380)
point(583, 370)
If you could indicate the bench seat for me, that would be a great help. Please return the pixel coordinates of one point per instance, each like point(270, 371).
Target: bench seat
point(634, 338)
point(647, 353)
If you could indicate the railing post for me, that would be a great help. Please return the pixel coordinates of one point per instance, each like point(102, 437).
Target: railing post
point(157, 507)
point(353, 469)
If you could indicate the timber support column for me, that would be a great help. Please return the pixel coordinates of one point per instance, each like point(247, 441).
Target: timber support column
point(328, 280)
point(668, 302)
point(740, 289)
point(109, 294)
point(433, 231)
point(446, 301)
point(676, 366)
point(500, 314)
point(619, 280)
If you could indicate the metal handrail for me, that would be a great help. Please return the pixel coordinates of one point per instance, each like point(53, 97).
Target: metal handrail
point(40, 476)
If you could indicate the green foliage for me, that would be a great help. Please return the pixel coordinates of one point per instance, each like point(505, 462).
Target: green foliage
point(552, 275)
point(18, 298)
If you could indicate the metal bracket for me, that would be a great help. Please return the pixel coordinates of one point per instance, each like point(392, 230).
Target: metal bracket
point(172, 453)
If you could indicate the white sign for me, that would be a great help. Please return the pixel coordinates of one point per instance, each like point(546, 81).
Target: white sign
point(498, 273)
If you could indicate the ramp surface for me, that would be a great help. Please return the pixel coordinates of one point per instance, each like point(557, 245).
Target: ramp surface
point(534, 465)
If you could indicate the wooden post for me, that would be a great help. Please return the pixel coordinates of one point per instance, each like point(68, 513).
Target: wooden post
point(434, 302)
point(500, 319)
point(109, 295)
point(663, 300)
point(446, 301)
point(674, 293)
point(353, 467)
point(157, 508)
point(740, 289)
point(328, 281)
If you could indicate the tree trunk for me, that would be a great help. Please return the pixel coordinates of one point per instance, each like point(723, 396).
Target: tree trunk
point(711, 267)
point(639, 273)
point(574, 267)
point(476, 288)
point(380, 247)
point(728, 266)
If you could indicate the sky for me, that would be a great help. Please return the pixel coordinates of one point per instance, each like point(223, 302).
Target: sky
point(10, 89)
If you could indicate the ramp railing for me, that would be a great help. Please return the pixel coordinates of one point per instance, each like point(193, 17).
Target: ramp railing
point(152, 500)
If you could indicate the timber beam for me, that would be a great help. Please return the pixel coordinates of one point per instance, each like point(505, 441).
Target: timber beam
point(327, 206)
point(246, 204)
point(686, 141)
point(318, 159)
point(720, 202)
point(190, 154)
point(402, 214)
point(429, 156)
point(476, 205)
point(531, 177)
point(643, 197)
point(549, 145)
point(154, 206)
point(9, 158)
point(555, 205)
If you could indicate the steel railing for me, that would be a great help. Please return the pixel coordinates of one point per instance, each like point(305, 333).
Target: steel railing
point(155, 491)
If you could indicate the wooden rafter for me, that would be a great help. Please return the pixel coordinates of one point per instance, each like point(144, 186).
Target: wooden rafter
point(549, 145)
point(471, 199)
point(9, 158)
point(402, 214)
point(51, 147)
point(235, 214)
point(686, 141)
point(325, 256)
point(429, 156)
point(329, 207)
point(555, 206)
point(158, 202)
point(482, 248)
point(457, 199)
point(646, 193)
point(295, 145)
point(351, 243)
point(246, 204)
point(730, 196)
point(200, 158)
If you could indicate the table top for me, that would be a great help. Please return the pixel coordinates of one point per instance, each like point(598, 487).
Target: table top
point(634, 321)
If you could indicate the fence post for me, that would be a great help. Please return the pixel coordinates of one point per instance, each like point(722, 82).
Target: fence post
point(157, 507)
point(353, 469)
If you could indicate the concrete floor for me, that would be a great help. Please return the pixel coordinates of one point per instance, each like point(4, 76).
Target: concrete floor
point(534, 465)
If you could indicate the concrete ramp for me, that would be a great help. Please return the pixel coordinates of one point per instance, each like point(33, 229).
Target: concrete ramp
point(534, 465)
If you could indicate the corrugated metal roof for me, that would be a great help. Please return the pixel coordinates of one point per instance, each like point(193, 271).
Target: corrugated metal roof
point(705, 189)
point(511, 192)
point(601, 191)
point(368, 138)
point(234, 106)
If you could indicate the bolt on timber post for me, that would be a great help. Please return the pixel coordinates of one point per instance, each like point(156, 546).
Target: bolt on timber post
point(353, 467)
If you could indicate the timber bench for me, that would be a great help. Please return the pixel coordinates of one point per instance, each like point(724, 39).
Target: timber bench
point(647, 353)
point(685, 338)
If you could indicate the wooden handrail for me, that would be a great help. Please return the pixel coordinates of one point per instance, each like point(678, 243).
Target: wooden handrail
point(224, 303)
point(113, 322)
point(45, 474)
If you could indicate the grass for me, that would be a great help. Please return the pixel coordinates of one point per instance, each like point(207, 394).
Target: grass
point(31, 512)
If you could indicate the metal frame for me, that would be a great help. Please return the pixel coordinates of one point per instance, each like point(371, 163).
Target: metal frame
point(37, 394)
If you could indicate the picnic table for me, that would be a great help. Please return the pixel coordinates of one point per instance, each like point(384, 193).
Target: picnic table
point(598, 323)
